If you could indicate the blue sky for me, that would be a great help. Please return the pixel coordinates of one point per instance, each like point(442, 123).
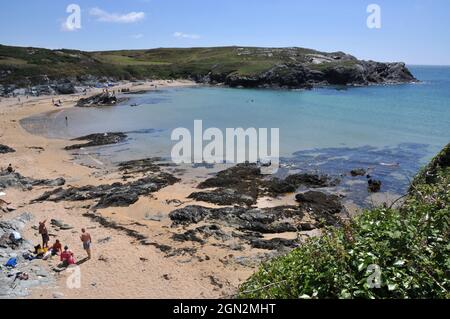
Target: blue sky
point(414, 31)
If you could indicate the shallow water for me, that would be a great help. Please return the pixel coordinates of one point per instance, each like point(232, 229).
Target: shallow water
point(330, 130)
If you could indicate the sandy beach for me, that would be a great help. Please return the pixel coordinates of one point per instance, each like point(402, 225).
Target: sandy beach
point(120, 267)
point(136, 251)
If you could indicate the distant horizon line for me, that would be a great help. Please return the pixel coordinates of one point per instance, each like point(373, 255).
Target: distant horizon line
point(210, 47)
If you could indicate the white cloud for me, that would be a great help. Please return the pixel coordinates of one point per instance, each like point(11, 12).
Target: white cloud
point(104, 16)
point(137, 36)
point(186, 35)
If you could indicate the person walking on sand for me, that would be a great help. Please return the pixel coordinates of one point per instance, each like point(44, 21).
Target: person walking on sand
point(44, 233)
point(87, 240)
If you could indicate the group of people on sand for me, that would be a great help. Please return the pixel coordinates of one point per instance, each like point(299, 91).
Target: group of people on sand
point(67, 257)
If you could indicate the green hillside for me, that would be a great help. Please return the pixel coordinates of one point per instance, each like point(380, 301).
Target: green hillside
point(230, 65)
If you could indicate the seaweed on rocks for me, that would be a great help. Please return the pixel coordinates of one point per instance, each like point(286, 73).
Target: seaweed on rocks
point(114, 195)
point(244, 183)
point(15, 179)
point(6, 149)
point(98, 139)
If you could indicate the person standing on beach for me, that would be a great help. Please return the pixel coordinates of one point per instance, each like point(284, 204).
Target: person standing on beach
point(87, 240)
point(44, 233)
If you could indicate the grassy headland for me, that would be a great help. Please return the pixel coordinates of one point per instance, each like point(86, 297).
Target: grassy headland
point(234, 66)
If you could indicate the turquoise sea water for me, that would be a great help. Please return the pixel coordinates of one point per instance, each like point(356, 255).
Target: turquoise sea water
point(331, 130)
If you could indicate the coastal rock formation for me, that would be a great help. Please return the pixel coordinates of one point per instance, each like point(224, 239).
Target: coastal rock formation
point(301, 69)
point(114, 195)
point(266, 220)
point(292, 182)
point(14, 179)
point(249, 224)
point(98, 139)
point(6, 149)
point(103, 99)
point(320, 202)
point(244, 183)
point(224, 197)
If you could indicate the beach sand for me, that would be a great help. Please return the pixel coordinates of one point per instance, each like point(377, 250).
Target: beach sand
point(120, 267)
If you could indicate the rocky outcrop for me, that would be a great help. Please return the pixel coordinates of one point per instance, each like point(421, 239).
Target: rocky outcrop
point(103, 99)
point(320, 202)
point(98, 139)
point(349, 72)
point(374, 186)
point(6, 149)
point(244, 183)
point(14, 179)
point(114, 195)
point(292, 182)
point(249, 224)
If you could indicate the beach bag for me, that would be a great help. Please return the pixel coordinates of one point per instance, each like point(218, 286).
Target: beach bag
point(12, 262)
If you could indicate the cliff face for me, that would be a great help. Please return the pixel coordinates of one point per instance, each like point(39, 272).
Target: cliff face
point(232, 66)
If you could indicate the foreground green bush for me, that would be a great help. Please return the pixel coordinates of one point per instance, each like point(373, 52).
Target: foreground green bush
point(409, 245)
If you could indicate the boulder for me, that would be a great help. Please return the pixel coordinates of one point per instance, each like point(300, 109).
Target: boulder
point(374, 186)
point(6, 149)
point(320, 202)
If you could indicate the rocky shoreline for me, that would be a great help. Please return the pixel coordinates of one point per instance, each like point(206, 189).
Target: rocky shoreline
point(301, 76)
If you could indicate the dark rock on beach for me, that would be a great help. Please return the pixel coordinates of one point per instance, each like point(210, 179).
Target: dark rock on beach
point(244, 183)
point(114, 195)
point(272, 244)
point(320, 202)
point(14, 179)
point(102, 99)
point(249, 225)
point(265, 220)
point(6, 149)
point(224, 197)
point(98, 139)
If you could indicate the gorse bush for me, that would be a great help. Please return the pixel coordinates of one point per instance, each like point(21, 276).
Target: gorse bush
point(408, 247)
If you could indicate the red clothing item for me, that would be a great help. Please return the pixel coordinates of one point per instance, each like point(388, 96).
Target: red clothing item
point(57, 247)
point(67, 256)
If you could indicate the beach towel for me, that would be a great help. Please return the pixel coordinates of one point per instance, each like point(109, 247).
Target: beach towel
point(12, 262)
